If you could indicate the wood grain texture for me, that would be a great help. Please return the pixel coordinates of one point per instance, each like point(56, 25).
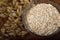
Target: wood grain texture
point(56, 1)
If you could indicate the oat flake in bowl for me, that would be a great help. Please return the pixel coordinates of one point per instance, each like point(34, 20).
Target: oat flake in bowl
point(42, 19)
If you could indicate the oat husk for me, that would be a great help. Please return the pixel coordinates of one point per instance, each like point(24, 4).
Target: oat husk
point(10, 18)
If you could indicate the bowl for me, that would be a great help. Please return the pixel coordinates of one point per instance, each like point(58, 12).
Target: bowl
point(29, 6)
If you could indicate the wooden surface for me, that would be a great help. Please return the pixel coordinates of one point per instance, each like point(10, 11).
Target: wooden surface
point(56, 1)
